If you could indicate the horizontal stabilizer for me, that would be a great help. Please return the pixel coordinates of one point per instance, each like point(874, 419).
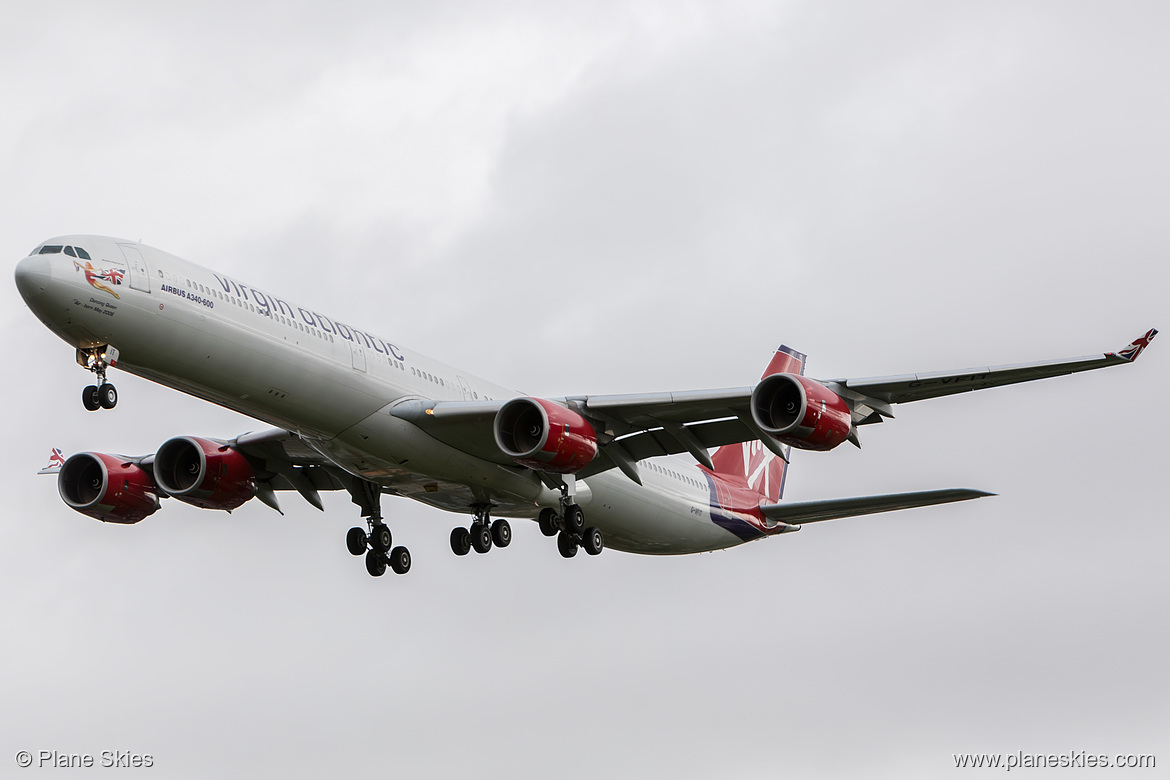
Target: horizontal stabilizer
point(831, 509)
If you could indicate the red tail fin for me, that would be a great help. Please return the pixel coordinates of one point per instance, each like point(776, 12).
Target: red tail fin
point(751, 464)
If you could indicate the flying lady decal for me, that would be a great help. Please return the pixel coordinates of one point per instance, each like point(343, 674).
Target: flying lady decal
point(97, 277)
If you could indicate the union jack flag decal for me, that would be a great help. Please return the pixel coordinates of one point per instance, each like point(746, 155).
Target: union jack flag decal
point(56, 461)
point(112, 275)
point(1131, 352)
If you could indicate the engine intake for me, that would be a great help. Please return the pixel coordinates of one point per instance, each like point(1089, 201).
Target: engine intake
point(204, 473)
point(545, 436)
point(107, 488)
point(800, 412)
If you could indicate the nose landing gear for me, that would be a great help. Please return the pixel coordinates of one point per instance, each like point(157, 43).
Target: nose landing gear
point(103, 395)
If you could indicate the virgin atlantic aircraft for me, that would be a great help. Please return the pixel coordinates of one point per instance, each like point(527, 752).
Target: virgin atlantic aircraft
point(355, 412)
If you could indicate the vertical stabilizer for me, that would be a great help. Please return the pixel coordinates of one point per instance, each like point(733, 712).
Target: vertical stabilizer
point(751, 464)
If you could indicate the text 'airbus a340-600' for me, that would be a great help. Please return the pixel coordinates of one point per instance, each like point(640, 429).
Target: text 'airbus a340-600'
point(658, 473)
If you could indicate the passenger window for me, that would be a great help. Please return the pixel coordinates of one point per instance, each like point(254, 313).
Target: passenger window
point(85, 255)
point(69, 251)
point(50, 249)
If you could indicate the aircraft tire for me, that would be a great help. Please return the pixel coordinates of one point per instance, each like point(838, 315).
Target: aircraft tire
point(375, 563)
point(355, 541)
point(89, 398)
point(460, 541)
point(566, 545)
point(547, 521)
point(381, 539)
point(501, 533)
point(593, 540)
point(107, 396)
point(481, 537)
point(574, 519)
point(400, 560)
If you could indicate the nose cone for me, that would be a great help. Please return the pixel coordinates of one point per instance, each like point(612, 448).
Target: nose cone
point(32, 276)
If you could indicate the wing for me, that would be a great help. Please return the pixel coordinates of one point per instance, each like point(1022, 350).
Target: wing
point(796, 513)
point(633, 427)
point(918, 387)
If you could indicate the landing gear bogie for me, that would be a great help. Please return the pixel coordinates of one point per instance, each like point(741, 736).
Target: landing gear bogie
point(483, 534)
point(377, 544)
point(573, 533)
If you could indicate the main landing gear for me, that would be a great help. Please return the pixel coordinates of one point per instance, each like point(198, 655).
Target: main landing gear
point(568, 526)
point(377, 545)
point(103, 395)
point(483, 534)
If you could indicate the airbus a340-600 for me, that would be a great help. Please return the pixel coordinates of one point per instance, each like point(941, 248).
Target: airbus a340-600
point(355, 412)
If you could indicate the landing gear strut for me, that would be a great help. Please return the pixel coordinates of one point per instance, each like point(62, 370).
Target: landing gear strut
point(377, 545)
point(103, 395)
point(569, 525)
point(482, 535)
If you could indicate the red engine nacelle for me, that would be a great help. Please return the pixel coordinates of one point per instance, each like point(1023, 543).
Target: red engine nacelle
point(204, 473)
point(107, 487)
point(800, 412)
point(545, 436)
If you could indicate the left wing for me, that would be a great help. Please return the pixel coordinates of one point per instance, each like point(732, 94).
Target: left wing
point(633, 427)
point(799, 512)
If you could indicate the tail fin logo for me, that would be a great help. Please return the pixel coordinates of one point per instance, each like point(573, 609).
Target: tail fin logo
point(763, 471)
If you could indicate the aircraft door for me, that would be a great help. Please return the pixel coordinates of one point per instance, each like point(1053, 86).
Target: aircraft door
point(359, 356)
point(139, 274)
point(465, 388)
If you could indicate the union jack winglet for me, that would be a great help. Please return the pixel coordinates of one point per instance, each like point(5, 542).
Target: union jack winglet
point(1131, 352)
point(56, 461)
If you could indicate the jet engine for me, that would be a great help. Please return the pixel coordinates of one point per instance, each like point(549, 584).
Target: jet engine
point(107, 488)
point(204, 473)
point(545, 436)
point(800, 412)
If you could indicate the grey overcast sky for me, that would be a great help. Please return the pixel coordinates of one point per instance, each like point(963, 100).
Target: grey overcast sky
point(613, 197)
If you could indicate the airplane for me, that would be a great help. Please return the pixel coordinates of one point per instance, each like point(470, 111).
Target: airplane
point(353, 411)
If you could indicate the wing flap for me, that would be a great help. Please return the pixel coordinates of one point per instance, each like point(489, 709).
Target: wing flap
point(797, 513)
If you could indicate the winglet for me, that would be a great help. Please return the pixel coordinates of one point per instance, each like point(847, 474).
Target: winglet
point(56, 461)
point(1130, 353)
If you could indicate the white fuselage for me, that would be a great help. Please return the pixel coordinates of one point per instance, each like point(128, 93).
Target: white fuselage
point(209, 335)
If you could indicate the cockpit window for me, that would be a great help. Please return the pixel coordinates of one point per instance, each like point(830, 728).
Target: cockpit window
point(69, 251)
point(50, 249)
point(82, 253)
